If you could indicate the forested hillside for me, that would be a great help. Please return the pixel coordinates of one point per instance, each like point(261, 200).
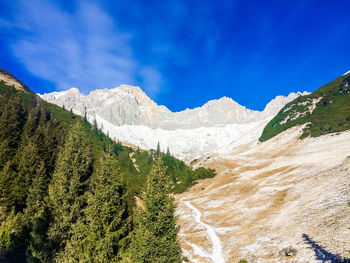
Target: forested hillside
point(67, 191)
point(326, 110)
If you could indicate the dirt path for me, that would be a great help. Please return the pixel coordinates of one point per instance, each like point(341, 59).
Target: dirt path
point(216, 255)
point(134, 161)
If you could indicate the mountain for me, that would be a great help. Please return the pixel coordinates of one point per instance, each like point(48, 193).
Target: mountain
point(11, 88)
point(60, 177)
point(10, 80)
point(129, 105)
point(128, 114)
point(283, 200)
point(327, 110)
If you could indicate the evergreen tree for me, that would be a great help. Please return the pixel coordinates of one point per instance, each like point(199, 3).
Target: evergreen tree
point(49, 137)
point(30, 125)
point(12, 236)
point(7, 197)
point(44, 116)
point(68, 183)
point(27, 165)
point(12, 120)
point(17, 176)
point(5, 151)
point(85, 117)
point(168, 151)
point(101, 234)
point(155, 237)
point(95, 126)
point(37, 216)
point(189, 179)
point(158, 150)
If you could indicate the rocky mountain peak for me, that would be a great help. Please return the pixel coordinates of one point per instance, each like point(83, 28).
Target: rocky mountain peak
point(74, 90)
point(279, 101)
point(135, 90)
point(10, 80)
point(129, 115)
point(129, 105)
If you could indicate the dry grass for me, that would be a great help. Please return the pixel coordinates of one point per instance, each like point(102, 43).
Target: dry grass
point(263, 201)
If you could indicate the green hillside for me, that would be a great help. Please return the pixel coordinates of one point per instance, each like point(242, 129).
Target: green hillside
point(327, 110)
point(67, 191)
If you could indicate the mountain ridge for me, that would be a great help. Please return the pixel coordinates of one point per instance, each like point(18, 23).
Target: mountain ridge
point(136, 108)
point(127, 114)
point(326, 110)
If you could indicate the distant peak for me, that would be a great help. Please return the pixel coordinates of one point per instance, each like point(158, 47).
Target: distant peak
point(130, 89)
point(279, 101)
point(225, 99)
point(10, 80)
point(220, 101)
point(74, 90)
point(290, 95)
point(298, 93)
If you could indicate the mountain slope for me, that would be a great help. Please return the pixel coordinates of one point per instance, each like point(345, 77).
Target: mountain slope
point(285, 194)
point(270, 196)
point(50, 160)
point(327, 110)
point(127, 114)
point(10, 80)
point(183, 176)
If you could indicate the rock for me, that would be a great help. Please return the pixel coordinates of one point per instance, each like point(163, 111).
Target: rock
point(288, 252)
point(129, 105)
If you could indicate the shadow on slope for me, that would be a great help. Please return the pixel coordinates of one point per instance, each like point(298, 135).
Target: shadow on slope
point(322, 254)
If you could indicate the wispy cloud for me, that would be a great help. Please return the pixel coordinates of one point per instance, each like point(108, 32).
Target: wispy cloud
point(152, 80)
point(82, 47)
point(207, 48)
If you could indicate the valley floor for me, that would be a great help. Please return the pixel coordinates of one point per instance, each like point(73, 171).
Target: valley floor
point(269, 196)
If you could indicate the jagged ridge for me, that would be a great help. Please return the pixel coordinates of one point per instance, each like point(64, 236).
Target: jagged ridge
point(128, 105)
point(128, 114)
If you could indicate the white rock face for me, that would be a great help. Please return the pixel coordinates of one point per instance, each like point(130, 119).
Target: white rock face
point(128, 114)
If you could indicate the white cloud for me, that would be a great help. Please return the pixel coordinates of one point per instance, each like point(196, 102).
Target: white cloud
point(83, 48)
point(151, 80)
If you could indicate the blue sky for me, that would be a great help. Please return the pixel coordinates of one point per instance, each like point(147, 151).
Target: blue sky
point(181, 53)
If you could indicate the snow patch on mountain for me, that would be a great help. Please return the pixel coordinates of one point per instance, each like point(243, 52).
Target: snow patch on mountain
point(185, 144)
point(346, 73)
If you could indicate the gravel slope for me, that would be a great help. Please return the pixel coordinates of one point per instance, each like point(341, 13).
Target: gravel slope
point(272, 195)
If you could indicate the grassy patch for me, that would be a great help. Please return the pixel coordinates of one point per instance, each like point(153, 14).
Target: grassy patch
point(331, 114)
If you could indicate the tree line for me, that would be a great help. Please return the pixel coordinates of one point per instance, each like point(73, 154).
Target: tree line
point(65, 194)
